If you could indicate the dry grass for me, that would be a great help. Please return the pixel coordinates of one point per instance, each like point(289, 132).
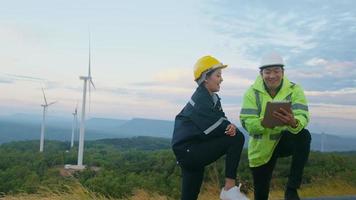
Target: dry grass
point(76, 192)
point(328, 188)
point(144, 195)
point(210, 191)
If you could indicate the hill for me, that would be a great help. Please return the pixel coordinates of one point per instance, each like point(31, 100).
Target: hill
point(23, 127)
point(128, 165)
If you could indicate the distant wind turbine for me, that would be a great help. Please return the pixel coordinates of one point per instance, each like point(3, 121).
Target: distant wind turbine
point(88, 81)
point(45, 105)
point(74, 125)
point(322, 142)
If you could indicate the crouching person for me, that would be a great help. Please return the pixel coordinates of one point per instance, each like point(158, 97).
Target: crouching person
point(268, 143)
point(203, 134)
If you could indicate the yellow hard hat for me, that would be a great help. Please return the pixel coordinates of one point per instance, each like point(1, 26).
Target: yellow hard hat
point(206, 63)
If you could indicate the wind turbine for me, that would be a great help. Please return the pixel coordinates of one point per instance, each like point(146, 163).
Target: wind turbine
point(45, 105)
point(74, 126)
point(322, 145)
point(88, 81)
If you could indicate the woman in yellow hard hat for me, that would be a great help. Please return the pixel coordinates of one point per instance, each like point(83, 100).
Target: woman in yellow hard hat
point(202, 134)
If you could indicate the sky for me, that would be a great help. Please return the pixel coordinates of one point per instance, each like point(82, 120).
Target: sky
point(143, 53)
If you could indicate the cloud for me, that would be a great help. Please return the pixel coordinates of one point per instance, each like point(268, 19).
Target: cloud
point(340, 69)
point(344, 97)
point(175, 86)
point(318, 45)
point(333, 110)
point(344, 91)
point(18, 77)
point(6, 80)
point(334, 68)
point(255, 28)
point(316, 62)
point(175, 77)
point(323, 74)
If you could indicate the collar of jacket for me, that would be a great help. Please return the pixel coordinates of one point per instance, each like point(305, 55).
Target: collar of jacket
point(205, 93)
point(259, 85)
point(277, 90)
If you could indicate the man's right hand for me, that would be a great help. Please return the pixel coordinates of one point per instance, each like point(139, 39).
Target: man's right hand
point(287, 117)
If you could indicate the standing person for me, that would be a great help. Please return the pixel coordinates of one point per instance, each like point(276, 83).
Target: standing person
point(202, 134)
point(267, 144)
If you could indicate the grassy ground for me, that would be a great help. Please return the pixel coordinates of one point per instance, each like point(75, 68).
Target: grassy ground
point(330, 188)
point(78, 192)
point(209, 192)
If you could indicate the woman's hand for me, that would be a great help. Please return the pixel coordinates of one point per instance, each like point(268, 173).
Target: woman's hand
point(230, 130)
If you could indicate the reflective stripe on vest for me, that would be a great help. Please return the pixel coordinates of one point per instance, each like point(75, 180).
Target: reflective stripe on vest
point(257, 136)
point(192, 102)
point(299, 106)
point(249, 111)
point(215, 125)
point(258, 102)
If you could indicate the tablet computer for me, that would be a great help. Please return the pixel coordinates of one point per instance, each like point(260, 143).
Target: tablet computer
point(269, 120)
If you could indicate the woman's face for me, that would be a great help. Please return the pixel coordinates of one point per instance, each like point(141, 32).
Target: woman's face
point(212, 82)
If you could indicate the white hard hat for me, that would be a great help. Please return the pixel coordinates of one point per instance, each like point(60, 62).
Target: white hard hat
point(271, 59)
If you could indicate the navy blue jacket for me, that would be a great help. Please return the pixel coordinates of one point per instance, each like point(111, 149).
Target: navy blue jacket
point(200, 119)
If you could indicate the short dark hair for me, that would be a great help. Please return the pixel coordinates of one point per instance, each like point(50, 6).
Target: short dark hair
point(268, 66)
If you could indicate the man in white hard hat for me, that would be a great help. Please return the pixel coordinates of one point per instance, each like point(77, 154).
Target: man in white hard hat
point(267, 144)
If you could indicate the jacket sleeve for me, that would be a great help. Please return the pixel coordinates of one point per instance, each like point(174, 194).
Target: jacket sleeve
point(300, 109)
point(249, 115)
point(209, 119)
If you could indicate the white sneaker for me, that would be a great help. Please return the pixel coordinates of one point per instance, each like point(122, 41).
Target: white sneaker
point(232, 194)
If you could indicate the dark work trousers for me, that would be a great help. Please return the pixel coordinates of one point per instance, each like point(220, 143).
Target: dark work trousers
point(295, 145)
point(194, 157)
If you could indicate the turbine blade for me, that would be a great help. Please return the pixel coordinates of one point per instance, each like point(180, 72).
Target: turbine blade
point(89, 71)
point(89, 97)
point(52, 103)
point(92, 83)
point(44, 96)
point(76, 109)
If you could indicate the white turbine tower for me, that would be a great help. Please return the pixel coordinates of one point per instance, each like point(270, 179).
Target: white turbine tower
point(87, 82)
point(74, 126)
point(45, 105)
point(322, 145)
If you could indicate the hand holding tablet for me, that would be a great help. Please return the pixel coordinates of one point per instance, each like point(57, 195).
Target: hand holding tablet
point(278, 113)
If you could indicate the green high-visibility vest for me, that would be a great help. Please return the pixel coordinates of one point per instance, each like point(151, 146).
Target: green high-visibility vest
point(264, 140)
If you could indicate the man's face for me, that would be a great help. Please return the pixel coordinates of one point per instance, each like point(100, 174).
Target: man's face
point(272, 76)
